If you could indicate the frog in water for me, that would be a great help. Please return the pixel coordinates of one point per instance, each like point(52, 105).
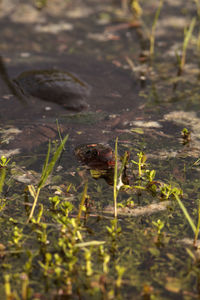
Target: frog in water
point(100, 159)
point(96, 156)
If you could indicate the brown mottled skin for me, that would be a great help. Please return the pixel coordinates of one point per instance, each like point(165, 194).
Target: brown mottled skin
point(96, 156)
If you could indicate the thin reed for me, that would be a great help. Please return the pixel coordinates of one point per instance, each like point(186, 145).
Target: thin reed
point(46, 171)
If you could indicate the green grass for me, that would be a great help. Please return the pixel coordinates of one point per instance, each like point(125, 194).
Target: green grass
point(153, 29)
point(46, 171)
point(187, 37)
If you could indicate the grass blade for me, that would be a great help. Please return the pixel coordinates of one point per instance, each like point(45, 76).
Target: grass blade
point(198, 225)
point(152, 36)
point(192, 225)
point(186, 42)
point(48, 167)
point(46, 171)
point(46, 160)
point(59, 133)
point(115, 190)
point(2, 178)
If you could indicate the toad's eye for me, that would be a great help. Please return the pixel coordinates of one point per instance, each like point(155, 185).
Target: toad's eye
point(95, 153)
point(88, 153)
point(91, 153)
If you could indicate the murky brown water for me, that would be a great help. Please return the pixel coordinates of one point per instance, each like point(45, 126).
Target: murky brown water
point(142, 102)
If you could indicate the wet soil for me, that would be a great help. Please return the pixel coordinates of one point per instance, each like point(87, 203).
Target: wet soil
point(113, 92)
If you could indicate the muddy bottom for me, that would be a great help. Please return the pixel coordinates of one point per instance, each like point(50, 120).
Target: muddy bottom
point(114, 93)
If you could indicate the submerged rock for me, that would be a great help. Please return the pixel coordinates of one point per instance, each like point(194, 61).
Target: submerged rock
point(55, 86)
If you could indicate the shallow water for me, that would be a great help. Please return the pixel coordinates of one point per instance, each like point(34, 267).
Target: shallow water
point(145, 104)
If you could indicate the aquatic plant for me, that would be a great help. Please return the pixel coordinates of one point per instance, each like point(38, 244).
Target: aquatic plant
point(115, 188)
point(159, 225)
point(195, 228)
point(186, 136)
point(187, 36)
point(41, 3)
point(4, 161)
point(68, 259)
point(136, 8)
point(198, 7)
point(46, 171)
point(3, 164)
point(153, 28)
point(83, 198)
point(141, 163)
point(118, 174)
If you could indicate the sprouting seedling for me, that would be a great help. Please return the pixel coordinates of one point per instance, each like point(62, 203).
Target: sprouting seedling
point(120, 272)
point(153, 29)
point(150, 175)
point(141, 163)
point(159, 225)
point(55, 201)
point(88, 261)
point(167, 190)
point(47, 169)
point(18, 236)
point(47, 265)
point(113, 230)
point(40, 3)
point(7, 288)
point(4, 161)
point(186, 136)
point(106, 259)
point(83, 198)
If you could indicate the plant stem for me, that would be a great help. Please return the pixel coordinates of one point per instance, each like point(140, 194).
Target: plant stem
point(198, 7)
point(2, 178)
point(153, 29)
point(115, 191)
point(185, 44)
point(82, 202)
point(60, 136)
point(47, 169)
point(34, 205)
point(198, 225)
point(186, 213)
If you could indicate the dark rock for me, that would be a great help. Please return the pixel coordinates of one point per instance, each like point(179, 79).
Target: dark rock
point(56, 86)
